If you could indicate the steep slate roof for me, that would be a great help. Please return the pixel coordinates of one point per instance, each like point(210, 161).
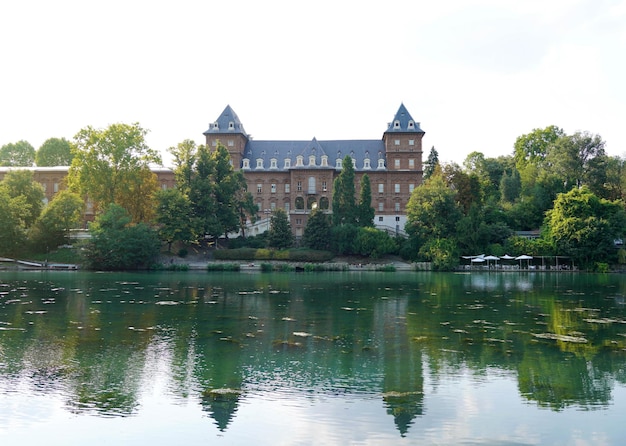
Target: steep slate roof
point(359, 150)
point(338, 149)
point(403, 122)
point(224, 121)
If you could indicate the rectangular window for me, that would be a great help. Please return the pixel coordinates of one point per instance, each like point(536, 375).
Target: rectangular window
point(259, 163)
point(298, 221)
point(396, 188)
point(287, 188)
point(259, 188)
point(381, 206)
point(287, 163)
point(411, 142)
point(231, 143)
point(273, 188)
point(324, 188)
point(273, 206)
point(396, 142)
point(273, 164)
point(287, 208)
point(380, 219)
point(299, 186)
point(396, 164)
point(397, 219)
point(411, 187)
point(397, 207)
point(411, 163)
point(381, 188)
point(55, 187)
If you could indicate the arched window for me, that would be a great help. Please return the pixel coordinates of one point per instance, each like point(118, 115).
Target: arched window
point(299, 203)
point(310, 202)
point(311, 185)
point(324, 203)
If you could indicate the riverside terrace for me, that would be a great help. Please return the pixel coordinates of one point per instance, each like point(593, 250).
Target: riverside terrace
point(520, 263)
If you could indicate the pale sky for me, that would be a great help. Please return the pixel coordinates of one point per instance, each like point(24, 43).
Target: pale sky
point(475, 73)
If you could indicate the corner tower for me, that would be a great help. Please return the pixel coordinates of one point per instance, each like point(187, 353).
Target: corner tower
point(403, 143)
point(229, 130)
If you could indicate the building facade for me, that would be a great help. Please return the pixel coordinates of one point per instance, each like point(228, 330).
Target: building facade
point(298, 176)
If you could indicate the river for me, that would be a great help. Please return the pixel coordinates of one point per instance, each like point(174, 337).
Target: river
point(312, 358)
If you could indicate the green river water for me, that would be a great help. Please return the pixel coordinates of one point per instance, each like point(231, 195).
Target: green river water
point(362, 358)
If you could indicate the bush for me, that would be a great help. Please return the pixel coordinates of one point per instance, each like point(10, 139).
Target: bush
point(182, 252)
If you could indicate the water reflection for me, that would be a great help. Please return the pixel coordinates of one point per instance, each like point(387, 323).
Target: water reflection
point(104, 342)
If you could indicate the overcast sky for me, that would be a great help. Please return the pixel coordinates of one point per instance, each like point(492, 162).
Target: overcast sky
point(475, 73)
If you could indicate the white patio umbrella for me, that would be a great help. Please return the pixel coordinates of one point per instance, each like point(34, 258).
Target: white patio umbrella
point(489, 258)
point(523, 257)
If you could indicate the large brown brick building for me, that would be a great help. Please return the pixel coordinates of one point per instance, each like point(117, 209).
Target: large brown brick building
point(298, 176)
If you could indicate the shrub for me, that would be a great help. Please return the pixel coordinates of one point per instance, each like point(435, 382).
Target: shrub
point(223, 267)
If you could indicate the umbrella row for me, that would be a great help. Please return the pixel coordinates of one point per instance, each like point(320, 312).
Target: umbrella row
point(483, 258)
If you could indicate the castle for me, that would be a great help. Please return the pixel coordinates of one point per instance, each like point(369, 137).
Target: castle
point(298, 176)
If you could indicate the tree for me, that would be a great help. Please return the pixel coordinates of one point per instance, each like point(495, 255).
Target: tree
point(13, 233)
point(510, 186)
point(317, 232)
point(574, 158)
point(584, 226)
point(533, 147)
point(374, 243)
point(110, 166)
point(172, 217)
point(344, 205)
point(365, 210)
point(21, 183)
point(117, 244)
point(19, 154)
point(217, 193)
point(280, 235)
point(432, 211)
point(53, 226)
point(431, 163)
point(185, 155)
point(54, 152)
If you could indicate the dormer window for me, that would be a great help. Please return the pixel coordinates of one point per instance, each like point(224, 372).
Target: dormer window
point(299, 161)
point(231, 125)
point(312, 160)
point(259, 163)
point(216, 126)
point(396, 124)
point(381, 163)
point(366, 163)
point(246, 163)
point(287, 163)
point(324, 161)
point(338, 163)
point(411, 125)
point(273, 163)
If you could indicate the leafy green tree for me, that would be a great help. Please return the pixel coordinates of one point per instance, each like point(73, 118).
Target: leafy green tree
point(317, 232)
point(117, 244)
point(432, 210)
point(112, 165)
point(343, 238)
point(54, 152)
point(280, 235)
point(532, 148)
point(510, 186)
point(365, 209)
point(584, 226)
point(442, 252)
point(18, 154)
point(576, 158)
point(201, 192)
point(21, 183)
point(227, 184)
point(431, 163)
point(172, 217)
point(13, 233)
point(185, 155)
point(53, 226)
point(245, 204)
point(344, 204)
point(466, 184)
point(374, 243)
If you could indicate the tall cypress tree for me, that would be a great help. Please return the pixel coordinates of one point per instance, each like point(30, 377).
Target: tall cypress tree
point(344, 205)
point(365, 209)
